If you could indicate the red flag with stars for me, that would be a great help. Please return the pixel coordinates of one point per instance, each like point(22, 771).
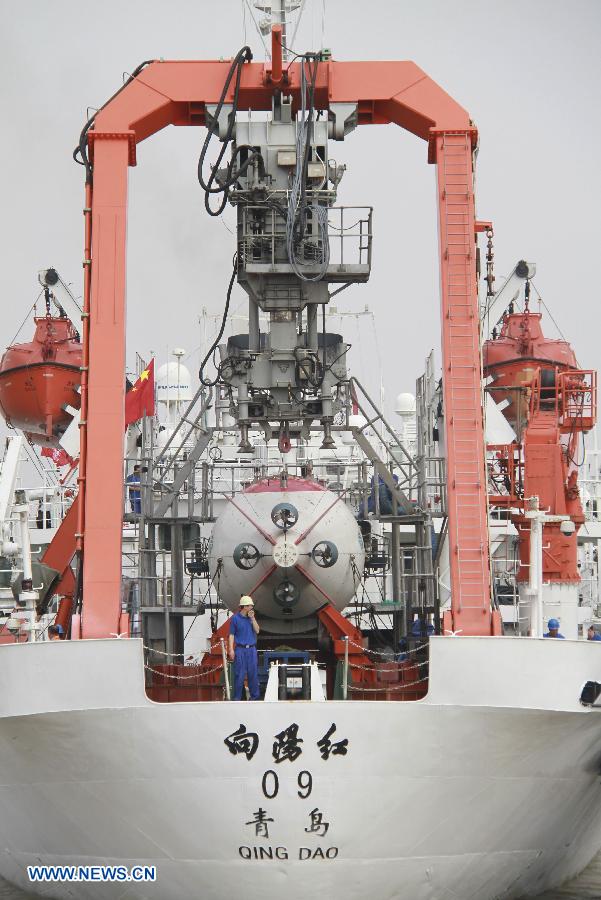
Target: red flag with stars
point(139, 400)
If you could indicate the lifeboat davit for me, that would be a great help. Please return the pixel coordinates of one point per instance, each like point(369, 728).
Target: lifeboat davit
point(40, 379)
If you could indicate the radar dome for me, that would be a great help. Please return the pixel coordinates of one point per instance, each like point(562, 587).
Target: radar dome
point(173, 383)
point(405, 405)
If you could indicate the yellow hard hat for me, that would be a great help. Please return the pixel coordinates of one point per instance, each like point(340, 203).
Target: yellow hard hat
point(246, 601)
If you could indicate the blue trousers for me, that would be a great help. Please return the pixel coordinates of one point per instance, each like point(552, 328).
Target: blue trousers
point(245, 666)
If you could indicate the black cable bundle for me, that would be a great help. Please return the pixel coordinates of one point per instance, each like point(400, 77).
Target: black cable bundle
point(206, 381)
point(231, 174)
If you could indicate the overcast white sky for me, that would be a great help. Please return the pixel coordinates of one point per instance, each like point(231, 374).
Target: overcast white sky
point(528, 71)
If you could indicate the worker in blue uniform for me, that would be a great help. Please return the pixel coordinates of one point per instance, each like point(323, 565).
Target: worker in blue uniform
point(553, 632)
point(593, 634)
point(242, 648)
point(135, 497)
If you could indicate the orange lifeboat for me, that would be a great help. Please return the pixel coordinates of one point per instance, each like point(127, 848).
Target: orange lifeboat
point(514, 358)
point(40, 379)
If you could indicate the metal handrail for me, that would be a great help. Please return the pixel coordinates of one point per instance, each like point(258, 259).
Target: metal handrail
point(184, 419)
point(274, 231)
point(410, 475)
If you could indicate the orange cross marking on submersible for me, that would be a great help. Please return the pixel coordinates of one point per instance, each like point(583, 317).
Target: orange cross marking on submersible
point(252, 521)
point(304, 572)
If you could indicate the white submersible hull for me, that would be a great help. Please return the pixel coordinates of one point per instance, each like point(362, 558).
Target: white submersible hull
point(489, 787)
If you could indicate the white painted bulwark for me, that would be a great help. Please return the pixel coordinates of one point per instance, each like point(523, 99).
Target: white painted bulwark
point(488, 787)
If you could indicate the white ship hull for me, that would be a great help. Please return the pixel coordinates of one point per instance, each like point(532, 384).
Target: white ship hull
point(487, 788)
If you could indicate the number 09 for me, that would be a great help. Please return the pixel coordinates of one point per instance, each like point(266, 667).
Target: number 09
point(271, 784)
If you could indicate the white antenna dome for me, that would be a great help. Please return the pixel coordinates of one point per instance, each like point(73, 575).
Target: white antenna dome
point(173, 383)
point(405, 405)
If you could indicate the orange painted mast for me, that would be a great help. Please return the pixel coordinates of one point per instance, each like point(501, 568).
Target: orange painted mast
point(176, 93)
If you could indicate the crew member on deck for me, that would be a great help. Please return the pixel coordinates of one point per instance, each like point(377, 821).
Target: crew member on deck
point(244, 629)
point(553, 626)
point(135, 497)
point(593, 634)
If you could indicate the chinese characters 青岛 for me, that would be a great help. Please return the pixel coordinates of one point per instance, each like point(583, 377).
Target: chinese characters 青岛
point(260, 820)
point(317, 823)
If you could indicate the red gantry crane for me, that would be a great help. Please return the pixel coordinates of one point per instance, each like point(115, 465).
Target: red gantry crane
point(162, 93)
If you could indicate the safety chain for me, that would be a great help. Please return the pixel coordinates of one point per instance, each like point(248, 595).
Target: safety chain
point(386, 655)
point(183, 677)
point(392, 687)
point(186, 655)
point(416, 665)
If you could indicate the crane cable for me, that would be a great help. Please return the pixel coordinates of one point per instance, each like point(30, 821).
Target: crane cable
point(298, 207)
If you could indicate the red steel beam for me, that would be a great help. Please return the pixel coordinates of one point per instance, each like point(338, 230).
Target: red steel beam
point(175, 93)
point(467, 508)
point(60, 551)
point(105, 425)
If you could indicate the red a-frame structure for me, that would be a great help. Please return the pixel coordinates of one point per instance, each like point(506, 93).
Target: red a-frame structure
point(175, 93)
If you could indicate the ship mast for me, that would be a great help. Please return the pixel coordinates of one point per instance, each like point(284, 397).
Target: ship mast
point(276, 13)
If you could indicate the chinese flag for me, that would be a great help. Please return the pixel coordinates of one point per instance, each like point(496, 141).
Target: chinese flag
point(139, 400)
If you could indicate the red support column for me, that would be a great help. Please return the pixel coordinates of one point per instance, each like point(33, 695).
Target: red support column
point(276, 54)
point(60, 551)
point(105, 427)
point(462, 387)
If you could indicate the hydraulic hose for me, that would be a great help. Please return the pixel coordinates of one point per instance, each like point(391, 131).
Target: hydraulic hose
point(212, 185)
point(207, 382)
